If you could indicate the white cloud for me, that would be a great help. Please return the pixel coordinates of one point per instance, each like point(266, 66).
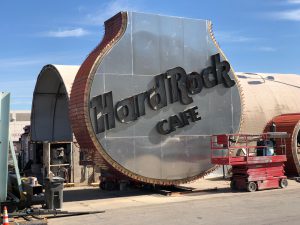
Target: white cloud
point(16, 63)
point(234, 37)
point(266, 49)
point(13, 62)
point(293, 15)
point(108, 10)
point(293, 1)
point(77, 32)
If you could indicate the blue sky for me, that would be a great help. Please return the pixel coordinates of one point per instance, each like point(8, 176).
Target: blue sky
point(256, 35)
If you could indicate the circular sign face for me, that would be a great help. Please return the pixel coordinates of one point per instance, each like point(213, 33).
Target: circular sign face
point(154, 94)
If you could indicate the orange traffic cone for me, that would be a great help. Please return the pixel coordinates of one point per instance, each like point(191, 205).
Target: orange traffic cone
point(5, 217)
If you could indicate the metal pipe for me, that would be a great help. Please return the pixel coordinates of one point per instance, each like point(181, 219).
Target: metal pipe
point(17, 171)
point(52, 212)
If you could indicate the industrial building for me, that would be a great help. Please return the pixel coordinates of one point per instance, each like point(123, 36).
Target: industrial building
point(19, 119)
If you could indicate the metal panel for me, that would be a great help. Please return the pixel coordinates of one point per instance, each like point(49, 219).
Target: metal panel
point(122, 150)
point(171, 42)
point(148, 157)
point(61, 130)
point(42, 114)
point(145, 44)
point(119, 60)
point(4, 132)
point(194, 155)
point(195, 44)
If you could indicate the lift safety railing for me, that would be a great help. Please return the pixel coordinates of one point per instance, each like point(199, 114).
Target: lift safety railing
point(229, 149)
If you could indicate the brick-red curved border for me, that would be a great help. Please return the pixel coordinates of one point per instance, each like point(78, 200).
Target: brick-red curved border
point(79, 98)
point(287, 123)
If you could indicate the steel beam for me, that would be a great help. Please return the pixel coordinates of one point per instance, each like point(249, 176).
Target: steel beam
point(17, 171)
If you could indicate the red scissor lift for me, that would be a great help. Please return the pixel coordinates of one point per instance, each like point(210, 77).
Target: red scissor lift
point(257, 161)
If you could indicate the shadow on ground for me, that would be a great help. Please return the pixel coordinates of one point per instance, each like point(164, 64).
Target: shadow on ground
point(95, 193)
point(218, 179)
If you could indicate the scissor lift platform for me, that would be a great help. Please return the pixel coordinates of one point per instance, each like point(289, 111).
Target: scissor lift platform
point(257, 160)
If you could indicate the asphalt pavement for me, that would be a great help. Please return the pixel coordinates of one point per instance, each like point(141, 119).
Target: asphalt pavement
point(215, 206)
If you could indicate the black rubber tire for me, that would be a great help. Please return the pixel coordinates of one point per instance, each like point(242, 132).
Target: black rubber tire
point(233, 185)
point(110, 186)
point(251, 186)
point(283, 183)
point(102, 185)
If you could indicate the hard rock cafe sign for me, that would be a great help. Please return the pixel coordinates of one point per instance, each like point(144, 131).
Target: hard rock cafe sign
point(149, 96)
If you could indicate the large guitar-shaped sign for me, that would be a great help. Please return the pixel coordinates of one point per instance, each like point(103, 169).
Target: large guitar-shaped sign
point(150, 95)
